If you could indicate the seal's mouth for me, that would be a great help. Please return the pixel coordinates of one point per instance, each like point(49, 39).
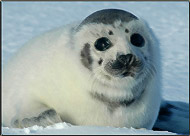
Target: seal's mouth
point(126, 65)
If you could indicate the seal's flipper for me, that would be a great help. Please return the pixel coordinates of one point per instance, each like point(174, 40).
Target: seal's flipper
point(48, 117)
point(173, 117)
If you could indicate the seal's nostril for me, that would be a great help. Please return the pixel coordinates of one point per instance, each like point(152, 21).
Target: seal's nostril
point(117, 65)
point(129, 58)
point(121, 59)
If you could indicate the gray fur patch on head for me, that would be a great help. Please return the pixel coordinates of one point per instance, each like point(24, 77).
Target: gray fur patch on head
point(110, 32)
point(100, 61)
point(108, 16)
point(86, 58)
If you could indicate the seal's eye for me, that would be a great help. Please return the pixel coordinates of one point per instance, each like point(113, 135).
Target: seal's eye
point(102, 44)
point(137, 40)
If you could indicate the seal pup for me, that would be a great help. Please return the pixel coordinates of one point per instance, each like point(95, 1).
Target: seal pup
point(104, 71)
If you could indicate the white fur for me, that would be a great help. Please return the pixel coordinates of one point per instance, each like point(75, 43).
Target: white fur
point(47, 73)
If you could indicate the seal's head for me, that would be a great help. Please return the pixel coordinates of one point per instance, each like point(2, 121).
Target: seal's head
point(116, 45)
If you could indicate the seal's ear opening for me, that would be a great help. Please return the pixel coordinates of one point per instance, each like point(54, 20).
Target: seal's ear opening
point(108, 16)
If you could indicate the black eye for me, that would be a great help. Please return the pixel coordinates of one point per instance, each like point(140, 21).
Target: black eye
point(102, 44)
point(137, 40)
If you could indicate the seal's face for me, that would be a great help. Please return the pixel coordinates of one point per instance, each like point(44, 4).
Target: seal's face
point(116, 47)
point(123, 63)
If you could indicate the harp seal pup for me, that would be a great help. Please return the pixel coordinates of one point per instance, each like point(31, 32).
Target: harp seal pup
point(104, 71)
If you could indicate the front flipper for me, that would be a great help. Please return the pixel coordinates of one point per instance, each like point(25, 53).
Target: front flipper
point(45, 118)
point(173, 117)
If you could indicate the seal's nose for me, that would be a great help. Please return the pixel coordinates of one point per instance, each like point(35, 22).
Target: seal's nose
point(126, 59)
point(123, 61)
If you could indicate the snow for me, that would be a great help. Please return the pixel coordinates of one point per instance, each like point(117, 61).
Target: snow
point(64, 128)
point(169, 20)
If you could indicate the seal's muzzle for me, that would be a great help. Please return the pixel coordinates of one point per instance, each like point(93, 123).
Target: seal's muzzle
point(124, 65)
